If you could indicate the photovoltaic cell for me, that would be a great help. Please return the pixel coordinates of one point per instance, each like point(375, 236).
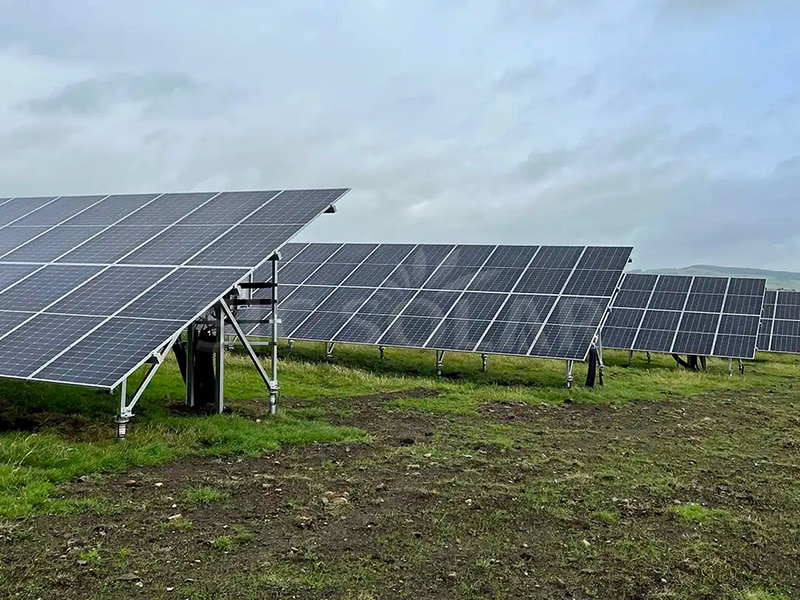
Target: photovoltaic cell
point(11, 274)
point(320, 326)
point(478, 306)
point(305, 298)
point(458, 334)
point(430, 304)
point(58, 211)
point(296, 273)
point(619, 337)
point(245, 245)
point(585, 282)
point(512, 256)
point(12, 237)
point(409, 276)
point(183, 294)
point(451, 278)
point(35, 342)
point(111, 245)
point(369, 275)
point(625, 317)
point(173, 246)
point(45, 287)
point(509, 338)
point(562, 340)
point(11, 319)
point(364, 329)
point(228, 208)
point(409, 331)
point(110, 291)
point(468, 256)
point(59, 280)
point(496, 279)
point(387, 302)
point(780, 322)
point(708, 316)
point(388, 254)
point(352, 253)
point(52, 244)
point(578, 311)
point(470, 298)
point(543, 281)
point(330, 274)
point(112, 351)
point(604, 258)
point(428, 254)
point(15, 209)
point(557, 257)
point(343, 300)
point(295, 206)
point(111, 210)
point(317, 253)
point(530, 309)
point(168, 209)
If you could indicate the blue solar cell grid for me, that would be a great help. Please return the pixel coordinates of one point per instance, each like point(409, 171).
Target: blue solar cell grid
point(90, 286)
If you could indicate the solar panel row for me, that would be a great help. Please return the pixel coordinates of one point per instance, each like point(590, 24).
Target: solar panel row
point(780, 322)
point(90, 286)
point(678, 314)
point(543, 301)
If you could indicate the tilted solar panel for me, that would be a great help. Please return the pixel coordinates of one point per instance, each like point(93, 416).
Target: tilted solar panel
point(91, 286)
point(679, 314)
point(545, 301)
point(780, 322)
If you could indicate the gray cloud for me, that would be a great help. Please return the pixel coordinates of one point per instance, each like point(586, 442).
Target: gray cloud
point(518, 122)
point(98, 95)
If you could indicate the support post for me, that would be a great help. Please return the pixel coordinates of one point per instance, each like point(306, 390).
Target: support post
point(219, 396)
point(273, 389)
point(291, 344)
point(730, 367)
point(123, 412)
point(329, 350)
point(630, 358)
point(382, 350)
point(648, 358)
point(569, 374)
point(439, 360)
point(483, 362)
point(600, 365)
point(190, 341)
point(741, 367)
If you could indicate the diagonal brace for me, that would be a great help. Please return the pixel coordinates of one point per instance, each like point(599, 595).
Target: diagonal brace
point(125, 411)
point(243, 338)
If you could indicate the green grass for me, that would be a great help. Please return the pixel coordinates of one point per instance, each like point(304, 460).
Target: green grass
point(661, 484)
point(201, 496)
point(698, 514)
point(74, 433)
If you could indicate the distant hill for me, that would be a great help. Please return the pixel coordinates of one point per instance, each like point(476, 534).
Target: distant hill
point(775, 279)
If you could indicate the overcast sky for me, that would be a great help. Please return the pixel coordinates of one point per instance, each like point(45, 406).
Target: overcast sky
point(669, 125)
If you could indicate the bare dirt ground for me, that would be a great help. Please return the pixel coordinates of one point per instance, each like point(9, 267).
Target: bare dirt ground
point(672, 499)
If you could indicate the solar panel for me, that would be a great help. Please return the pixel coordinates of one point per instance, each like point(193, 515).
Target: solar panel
point(678, 314)
point(546, 301)
point(780, 322)
point(91, 286)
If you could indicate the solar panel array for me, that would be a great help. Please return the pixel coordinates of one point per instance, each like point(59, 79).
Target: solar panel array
point(90, 286)
point(679, 314)
point(545, 301)
point(780, 322)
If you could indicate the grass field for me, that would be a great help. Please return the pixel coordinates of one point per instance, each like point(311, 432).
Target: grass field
point(378, 480)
